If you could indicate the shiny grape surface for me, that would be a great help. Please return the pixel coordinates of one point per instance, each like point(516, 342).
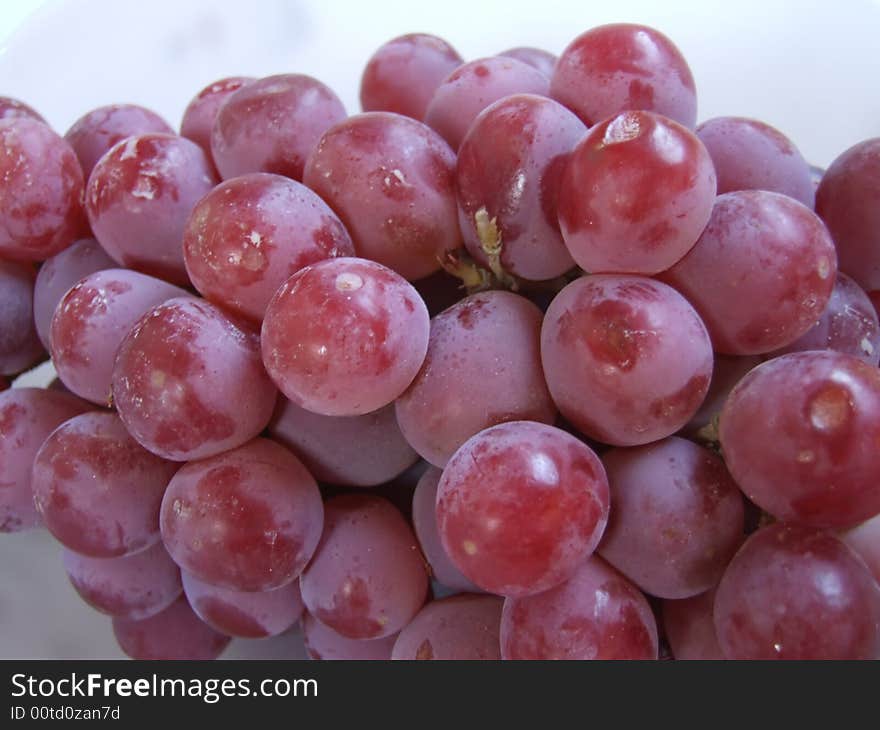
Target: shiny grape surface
point(13, 109)
point(200, 114)
point(519, 507)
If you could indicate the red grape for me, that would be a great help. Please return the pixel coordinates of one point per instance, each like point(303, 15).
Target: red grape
point(139, 197)
point(322, 642)
point(596, 614)
point(59, 273)
point(344, 336)
point(188, 381)
point(272, 124)
point(761, 273)
point(537, 58)
point(248, 615)
point(751, 155)
point(690, 629)
point(627, 359)
point(132, 586)
point(248, 519)
point(14, 109)
point(20, 345)
point(97, 490)
point(865, 540)
point(391, 181)
point(520, 505)
point(97, 131)
point(250, 233)
point(800, 435)
point(175, 633)
point(619, 67)
point(424, 519)
point(636, 194)
point(27, 417)
point(793, 592)
point(41, 191)
point(473, 86)
point(483, 367)
point(367, 578)
point(463, 627)
point(727, 371)
point(402, 75)
point(91, 320)
point(849, 324)
point(676, 517)
point(355, 451)
point(510, 165)
point(848, 200)
point(201, 113)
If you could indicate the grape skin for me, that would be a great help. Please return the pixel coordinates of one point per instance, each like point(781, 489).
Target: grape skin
point(20, 344)
point(520, 505)
point(323, 642)
point(367, 578)
point(799, 436)
point(690, 628)
point(627, 359)
point(97, 490)
point(27, 417)
point(537, 58)
point(201, 113)
point(246, 520)
point(13, 109)
point(462, 627)
point(188, 381)
point(132, 586)
point(865, 540)
point(794, 592)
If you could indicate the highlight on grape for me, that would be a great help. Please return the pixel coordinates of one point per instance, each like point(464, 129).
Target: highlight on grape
point(525, 360)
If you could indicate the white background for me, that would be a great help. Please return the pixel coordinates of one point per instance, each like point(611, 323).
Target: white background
point(809, 68)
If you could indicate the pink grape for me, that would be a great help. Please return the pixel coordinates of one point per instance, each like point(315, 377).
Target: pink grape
point(849, 324)
point(636, 194)
point(175, 633)
point(344, 336)
point(727, 371)
point(323, 642)
point(248, 615)
point(473, 86)
point(483, 367)
point(627, 359)
point(596, 614)
point(132, 586)
point(509, 169)
point(250, 233)
point(272, 124)
point(676, 518)
point(537, 58)
point(246, 520)
point(619, 67)
point(354, 451)
point(20, 345)
point(90, 322)
point(97, 490)
point(27, 417)
point(761, 273)
point(14, 109)
point(794, 592)
point(188, 381)
point(751, 155)
point(799, 435)
point(690, 628)
point(424, 519)
point(463, 627)
point(520, 505)
point(139, 197)
point(865, 540)
point(98, 130)
point(847, 201)
point(201, 113)
point(41, 188)
point(367, 578)
point(402, 75)
point(59, 273)
point(391, 181)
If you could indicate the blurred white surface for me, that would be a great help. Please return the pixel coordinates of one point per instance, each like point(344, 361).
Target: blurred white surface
point(808, 68)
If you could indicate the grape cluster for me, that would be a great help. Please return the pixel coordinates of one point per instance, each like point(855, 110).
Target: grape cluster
point(518, 363)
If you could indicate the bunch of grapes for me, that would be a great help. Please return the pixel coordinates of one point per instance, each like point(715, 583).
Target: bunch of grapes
point(517, 363)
